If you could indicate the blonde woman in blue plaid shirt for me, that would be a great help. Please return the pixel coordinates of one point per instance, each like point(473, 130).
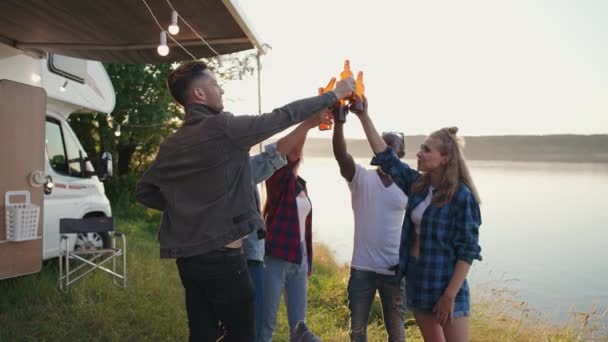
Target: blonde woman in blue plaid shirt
point(440, 233)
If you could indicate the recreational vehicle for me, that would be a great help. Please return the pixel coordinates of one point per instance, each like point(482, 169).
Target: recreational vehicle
point(41, 156)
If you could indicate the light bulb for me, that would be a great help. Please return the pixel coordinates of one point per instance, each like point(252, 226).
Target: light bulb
point(173, 28)
point(163, 49)
point(62, 88)
point(117, 133)
point(35, 77)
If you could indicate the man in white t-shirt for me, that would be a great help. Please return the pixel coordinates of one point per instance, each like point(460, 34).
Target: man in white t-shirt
point(378, 206)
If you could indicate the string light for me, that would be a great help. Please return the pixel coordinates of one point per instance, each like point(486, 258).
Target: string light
point(163, 49)
point(138, 125)
point(145, 126)
point(62, 88)
point(173, 28)
point(162, 29)
point(193, 30)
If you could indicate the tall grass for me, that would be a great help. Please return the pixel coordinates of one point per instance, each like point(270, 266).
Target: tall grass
point(502, 307)
point(151, 308)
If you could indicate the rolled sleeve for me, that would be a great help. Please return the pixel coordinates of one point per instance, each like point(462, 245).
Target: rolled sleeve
point(254, 247)
point(400, 172)
point(468, 221)
point(266, 163)
point(276, 158)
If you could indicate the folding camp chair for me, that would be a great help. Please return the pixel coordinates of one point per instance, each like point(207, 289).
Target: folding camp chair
point(90, 257)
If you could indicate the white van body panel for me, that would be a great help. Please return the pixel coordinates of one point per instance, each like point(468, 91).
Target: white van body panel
point(96, 94)
point(72, 197)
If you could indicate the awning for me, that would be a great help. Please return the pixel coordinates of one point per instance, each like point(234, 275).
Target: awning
point(124, 31)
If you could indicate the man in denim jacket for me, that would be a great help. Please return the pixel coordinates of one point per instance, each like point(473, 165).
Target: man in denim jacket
point(201, 180)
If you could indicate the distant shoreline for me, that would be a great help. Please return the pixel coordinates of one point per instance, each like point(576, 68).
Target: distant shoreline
point(528, 148)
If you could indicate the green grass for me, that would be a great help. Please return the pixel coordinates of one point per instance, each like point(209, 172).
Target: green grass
point(151, 308)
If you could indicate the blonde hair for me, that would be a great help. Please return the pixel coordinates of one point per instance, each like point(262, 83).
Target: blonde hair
point(456, 169)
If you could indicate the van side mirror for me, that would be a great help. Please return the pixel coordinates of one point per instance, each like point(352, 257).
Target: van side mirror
point(106, 170)
point(86, 168)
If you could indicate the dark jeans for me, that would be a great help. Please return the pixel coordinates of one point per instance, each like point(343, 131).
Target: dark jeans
point(219, 296)
point(362, 287)
point(256, 271)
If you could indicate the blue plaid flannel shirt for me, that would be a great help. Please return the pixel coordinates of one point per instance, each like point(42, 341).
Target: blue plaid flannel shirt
point(448, 234)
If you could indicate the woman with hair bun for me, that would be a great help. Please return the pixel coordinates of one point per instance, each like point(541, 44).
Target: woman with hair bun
point(440, 233)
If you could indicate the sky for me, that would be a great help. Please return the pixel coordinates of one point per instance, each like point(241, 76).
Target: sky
point(489, 67)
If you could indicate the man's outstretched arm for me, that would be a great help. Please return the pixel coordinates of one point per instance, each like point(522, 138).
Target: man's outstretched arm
point(247, 130)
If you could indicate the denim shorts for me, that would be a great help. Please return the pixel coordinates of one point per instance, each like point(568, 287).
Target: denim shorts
point(461, 309)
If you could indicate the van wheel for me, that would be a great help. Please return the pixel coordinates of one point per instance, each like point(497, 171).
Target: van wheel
point(91, 241)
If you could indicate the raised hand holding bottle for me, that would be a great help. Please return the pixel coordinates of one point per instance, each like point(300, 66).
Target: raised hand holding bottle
point(329, 87)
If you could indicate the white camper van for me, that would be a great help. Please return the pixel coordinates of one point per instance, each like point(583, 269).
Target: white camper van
point(39, 153)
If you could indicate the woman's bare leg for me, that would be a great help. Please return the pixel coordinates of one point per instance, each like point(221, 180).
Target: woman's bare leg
point(458, 331)
point(429, 327)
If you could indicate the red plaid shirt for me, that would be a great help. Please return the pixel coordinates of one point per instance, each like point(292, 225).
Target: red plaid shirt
point(281, 216)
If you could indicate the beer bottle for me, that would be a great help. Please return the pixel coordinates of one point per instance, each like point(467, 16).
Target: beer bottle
point(329, 87)
point(343, 105)
point(359, 91)
point(346, 73)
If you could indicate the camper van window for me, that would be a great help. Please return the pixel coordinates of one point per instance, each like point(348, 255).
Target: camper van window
point(69, 67)
point(62, 149)
point(55, 147)
point(74, 155)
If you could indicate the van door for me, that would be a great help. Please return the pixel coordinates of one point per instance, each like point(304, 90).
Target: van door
point(22, 109)
point(69, 193)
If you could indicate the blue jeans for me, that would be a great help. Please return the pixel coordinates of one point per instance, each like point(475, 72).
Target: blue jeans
point(293, 278)
point(362, 286)
point(256, 271)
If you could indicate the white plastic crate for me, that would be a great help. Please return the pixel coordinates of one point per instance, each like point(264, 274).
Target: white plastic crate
point(21, 218)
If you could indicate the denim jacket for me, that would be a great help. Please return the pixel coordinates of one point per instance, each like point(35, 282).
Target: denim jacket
point(201, 178)
point(263, 165)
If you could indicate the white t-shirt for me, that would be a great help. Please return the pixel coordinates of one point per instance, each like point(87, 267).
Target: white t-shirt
point(378, 212)
point(304, 207)
point(418, 212)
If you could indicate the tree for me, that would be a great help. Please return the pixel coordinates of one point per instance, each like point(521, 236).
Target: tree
point(144, 110)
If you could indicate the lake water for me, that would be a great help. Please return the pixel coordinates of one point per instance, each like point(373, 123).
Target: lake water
point(544, 233)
